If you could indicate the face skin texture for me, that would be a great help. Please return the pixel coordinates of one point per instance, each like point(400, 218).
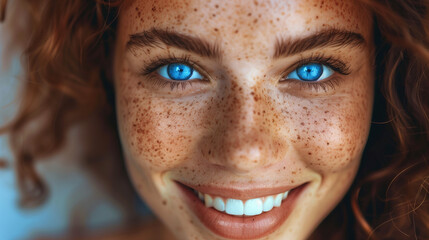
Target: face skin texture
point(244, 125)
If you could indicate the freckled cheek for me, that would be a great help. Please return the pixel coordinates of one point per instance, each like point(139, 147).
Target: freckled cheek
point(332, 137)
point(341, 144)
point(162, 134)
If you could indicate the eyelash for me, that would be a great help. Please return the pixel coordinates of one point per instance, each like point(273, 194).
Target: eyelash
point(335, 64)
point(160, 82)
point(325, 85)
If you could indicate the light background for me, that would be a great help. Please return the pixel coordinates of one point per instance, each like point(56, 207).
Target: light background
point(68, 184)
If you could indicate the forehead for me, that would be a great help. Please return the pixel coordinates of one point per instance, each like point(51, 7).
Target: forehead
point(245, 29)
point(242, 18)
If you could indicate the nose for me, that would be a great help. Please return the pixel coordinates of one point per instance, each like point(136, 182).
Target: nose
point(244, 137)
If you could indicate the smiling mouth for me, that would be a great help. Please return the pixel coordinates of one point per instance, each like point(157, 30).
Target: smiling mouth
point(238, 207)
point(245, 214)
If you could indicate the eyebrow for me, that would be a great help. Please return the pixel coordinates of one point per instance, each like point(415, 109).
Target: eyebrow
point(326, 38)
point(154, 37)
point(283, 47)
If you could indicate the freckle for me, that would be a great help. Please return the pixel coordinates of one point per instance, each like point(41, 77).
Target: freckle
point(164, 202)
point(302, 124)
point(309, 153)
point(216, 6)
point(216, 29)
point(327, 143)
point(195, 9)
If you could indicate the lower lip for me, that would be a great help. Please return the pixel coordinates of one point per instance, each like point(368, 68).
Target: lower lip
point(241, 227)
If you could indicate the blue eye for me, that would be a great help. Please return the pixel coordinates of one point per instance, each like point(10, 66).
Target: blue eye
point(178, 72)
point(311, 72)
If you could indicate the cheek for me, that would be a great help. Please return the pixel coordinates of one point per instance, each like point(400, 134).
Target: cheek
point(330, 134)
point(159, 133)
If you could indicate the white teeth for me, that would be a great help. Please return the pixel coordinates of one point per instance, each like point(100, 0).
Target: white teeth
point(218, 204)
point(234, 207)
point(285, 195)
point(278, 200)
point(208, 200)
point(251, 207)
point(268, 204)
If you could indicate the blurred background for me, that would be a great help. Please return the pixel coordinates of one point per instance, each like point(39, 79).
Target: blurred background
point(76, 200)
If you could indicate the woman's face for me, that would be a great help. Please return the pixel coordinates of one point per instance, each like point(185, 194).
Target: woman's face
point(243, 101)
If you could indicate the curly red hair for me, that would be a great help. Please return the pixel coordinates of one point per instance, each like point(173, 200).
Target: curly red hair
point(67, 59)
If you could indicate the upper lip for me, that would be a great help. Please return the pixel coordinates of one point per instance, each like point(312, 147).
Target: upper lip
point(239, 192)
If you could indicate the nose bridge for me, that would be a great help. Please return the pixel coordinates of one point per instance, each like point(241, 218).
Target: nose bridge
point(241, 109)
point(243, 101)
point(243, 138)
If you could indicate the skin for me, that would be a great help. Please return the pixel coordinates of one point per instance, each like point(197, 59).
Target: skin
point(243, 127)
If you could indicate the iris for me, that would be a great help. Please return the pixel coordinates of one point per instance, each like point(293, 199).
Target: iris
point(310, 72)
point(179, 71)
